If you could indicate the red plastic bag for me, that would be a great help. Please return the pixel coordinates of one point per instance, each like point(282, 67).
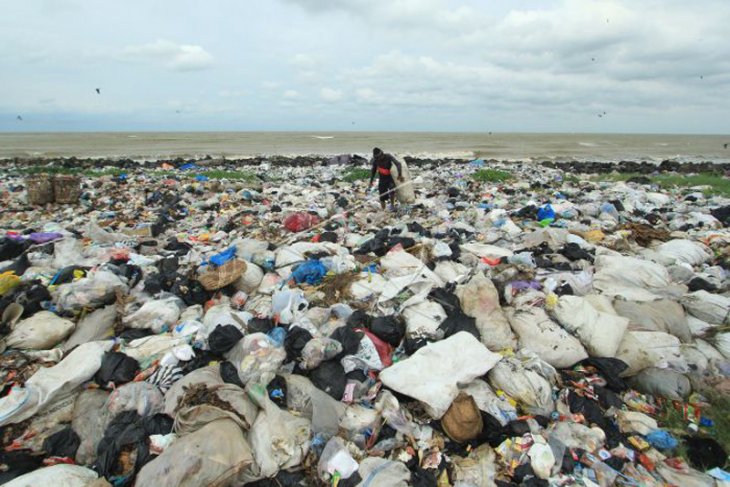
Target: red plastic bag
point(297, 222)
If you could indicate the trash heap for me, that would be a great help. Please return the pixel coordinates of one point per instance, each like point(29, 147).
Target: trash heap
point(172, 329)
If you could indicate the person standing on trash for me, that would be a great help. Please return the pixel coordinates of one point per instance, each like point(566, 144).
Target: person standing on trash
point(382, 164)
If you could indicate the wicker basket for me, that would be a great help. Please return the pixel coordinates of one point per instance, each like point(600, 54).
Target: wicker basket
point(222, 276)
point(67, 189)
point(40, 189)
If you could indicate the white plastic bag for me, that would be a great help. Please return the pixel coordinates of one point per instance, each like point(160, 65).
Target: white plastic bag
point(662, 382)
point(712, 308)
point(250, 280)
point(486, 400)
point(480, 300)
point(256, 357)
point(216, 454)
point(379, 471)
point(41, 331)
point(61, 475)
point(683, 251)
point(423, 319)
point(49, 383)
point(97, 325)
point(159, 315)
point(94, 290)
point(433, 373)
point(600, 332)
point(643, 349)
point(288, 304)
point(546, 338)
point(142, 397)
point(633, 279)
point(524, 385)
point(664, 315)
point(279, 439)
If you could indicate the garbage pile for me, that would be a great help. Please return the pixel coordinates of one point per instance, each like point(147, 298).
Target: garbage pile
point(176, 330)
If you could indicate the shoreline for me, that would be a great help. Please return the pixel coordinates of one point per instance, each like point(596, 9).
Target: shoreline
point(210, 162)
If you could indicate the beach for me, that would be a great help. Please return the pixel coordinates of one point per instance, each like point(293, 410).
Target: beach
point(426, 145)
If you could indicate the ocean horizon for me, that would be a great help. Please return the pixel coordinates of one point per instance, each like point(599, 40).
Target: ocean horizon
point(141, 145)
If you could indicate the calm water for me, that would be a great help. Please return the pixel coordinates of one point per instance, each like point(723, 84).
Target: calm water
point(506, 146)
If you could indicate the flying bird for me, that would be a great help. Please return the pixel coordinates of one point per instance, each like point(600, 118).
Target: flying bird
point(702, 77)
point(593, 59)
point(98, 91)
point(21, 119)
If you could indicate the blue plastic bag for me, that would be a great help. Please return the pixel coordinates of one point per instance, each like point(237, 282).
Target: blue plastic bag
point(188, 167)
point(311, 272)
point(220, 259)
point(201, 178)
point(277, 335)
point(662, 440)
point(545, 212)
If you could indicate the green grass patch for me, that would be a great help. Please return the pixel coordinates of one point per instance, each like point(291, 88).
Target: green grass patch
point(491, 176)
point(719, 412)
point(715, 184)
point(232, 175)
point(356, 174)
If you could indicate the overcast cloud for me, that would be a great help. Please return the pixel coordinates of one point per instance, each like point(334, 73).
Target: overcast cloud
point(441, 65)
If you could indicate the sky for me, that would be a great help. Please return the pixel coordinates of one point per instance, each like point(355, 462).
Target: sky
point(621, 66)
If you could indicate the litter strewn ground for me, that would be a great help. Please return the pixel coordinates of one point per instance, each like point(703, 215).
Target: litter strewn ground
point(195, 323)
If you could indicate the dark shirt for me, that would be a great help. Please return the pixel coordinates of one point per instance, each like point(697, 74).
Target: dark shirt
point(384, 161)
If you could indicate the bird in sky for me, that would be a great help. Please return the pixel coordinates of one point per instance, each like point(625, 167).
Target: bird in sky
point(98, 91)
point(19, 118)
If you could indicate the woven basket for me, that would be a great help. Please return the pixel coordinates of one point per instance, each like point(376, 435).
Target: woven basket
point(40, 189)
point(222, 276)
point(67, 189)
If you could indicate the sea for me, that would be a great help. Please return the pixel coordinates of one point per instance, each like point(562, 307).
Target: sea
point(500, 146)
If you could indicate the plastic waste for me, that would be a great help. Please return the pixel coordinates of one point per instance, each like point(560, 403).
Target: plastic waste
point(457, 359)
point(41, 331)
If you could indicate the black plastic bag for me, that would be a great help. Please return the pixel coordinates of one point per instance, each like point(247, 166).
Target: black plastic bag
point(389, 329)
point(330, 377)
point(294, 343)
point(424, 478)
point(349, 338)
point(16, 463)
point(610, 369)
point(116, 367)
point(260, 325)
point(229, 374)
point(445, 297)
point(573, 251)
point(19, 267)
point(359, 319)
point(63, 443)
point(128, 430)
point(223, 338)
point(456, 322)
point(413, 344)
point(705, 453)
point(11, 249)
point(277, 391)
